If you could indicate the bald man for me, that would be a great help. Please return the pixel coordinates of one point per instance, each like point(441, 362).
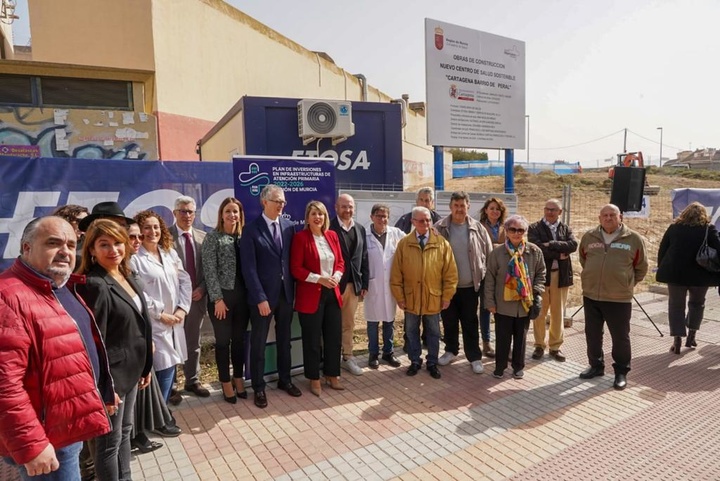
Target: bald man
point(354, 282)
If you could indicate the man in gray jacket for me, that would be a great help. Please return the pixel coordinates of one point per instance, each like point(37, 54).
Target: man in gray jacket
point(471, 246)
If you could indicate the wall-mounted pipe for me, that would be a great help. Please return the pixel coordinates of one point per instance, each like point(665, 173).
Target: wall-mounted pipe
point(403, 109)
point(363, 85)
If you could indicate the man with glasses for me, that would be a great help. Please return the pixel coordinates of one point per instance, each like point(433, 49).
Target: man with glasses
point(265, 259)
point(354, 282)
point(423, 280)
point(187, 241)
point(557, 242)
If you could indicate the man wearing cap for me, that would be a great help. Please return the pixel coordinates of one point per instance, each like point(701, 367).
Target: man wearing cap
point(187, 241)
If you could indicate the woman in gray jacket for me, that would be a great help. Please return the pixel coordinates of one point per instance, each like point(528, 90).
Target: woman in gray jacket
point(514, 282)
point(227, 297)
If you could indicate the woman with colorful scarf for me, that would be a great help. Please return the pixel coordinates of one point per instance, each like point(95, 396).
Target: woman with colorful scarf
point(514, 282)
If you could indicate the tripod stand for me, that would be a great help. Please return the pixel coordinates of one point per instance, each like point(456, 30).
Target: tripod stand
point(641, 308)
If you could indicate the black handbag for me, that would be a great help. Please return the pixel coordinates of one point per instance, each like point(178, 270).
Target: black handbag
point(707, 257)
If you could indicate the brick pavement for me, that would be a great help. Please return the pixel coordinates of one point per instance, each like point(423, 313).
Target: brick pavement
point(550, 425)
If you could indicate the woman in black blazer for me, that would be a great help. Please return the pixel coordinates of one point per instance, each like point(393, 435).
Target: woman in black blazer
point(117, 302)
point(685, 278)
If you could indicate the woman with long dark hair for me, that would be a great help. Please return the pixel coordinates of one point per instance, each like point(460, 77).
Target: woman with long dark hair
point(227, 297)
point(116, 299)
point(169, 288)
point(687, 282)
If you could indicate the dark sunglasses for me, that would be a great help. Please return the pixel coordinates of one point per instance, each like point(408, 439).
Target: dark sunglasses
point(515, 230)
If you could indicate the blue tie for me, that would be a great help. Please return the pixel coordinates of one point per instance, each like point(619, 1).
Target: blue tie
point(276, 236)
point(421, 238)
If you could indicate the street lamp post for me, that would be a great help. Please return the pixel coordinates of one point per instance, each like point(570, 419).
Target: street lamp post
point(661, 132)
point(527, 147)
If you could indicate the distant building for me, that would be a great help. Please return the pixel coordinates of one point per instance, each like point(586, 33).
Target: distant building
point(707, 158)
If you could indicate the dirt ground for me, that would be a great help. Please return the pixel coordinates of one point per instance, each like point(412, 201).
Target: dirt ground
point(589, 192)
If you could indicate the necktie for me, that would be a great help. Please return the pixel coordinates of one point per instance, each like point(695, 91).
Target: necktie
point(190, 258)
point(421, 238)
point(276, 236)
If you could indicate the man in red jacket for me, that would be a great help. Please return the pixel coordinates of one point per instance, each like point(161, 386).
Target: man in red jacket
point(47, 333)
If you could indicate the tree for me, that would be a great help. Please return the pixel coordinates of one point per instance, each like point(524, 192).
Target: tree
point(462, 154)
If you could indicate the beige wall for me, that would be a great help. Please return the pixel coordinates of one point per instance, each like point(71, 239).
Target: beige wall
point(107, 33)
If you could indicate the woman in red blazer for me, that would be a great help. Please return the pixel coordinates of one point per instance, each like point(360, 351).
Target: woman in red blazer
point(317, 265)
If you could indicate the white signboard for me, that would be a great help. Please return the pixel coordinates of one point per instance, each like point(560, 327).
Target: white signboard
point(475, 88)
point(643, 213)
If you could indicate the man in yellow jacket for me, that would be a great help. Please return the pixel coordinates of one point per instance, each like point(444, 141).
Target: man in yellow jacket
point(423, 280)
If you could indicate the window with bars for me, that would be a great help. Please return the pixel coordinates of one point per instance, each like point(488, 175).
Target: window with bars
point(22, 90)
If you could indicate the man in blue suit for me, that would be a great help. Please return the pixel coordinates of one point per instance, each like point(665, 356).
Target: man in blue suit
point(265, 258)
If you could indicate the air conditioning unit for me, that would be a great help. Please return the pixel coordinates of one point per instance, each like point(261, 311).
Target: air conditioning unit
point(325, 119)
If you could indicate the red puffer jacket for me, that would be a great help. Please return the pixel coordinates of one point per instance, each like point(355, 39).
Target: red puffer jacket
point(47, 387)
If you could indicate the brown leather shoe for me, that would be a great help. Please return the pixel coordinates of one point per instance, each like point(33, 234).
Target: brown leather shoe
point(488, 351)
point(538, 353)
point(175, 397)
point(334, 382)
point(558, 355)
point(198, 390)
point(315, 387)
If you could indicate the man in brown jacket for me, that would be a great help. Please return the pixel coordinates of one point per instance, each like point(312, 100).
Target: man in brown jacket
point(423, 280)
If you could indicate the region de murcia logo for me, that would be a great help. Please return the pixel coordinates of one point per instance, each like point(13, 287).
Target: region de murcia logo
point(439, 38)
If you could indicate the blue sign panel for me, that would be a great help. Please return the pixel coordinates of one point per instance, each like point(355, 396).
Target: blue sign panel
point(372, 158)
point(302, 180)
point(34, 187)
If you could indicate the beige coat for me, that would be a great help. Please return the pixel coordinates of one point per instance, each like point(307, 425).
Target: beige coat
point(495, 279)
point(423, 278)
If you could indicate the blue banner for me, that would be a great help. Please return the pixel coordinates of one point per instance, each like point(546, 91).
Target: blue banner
point(32, 187)
point(710, 198)
point(302, 180)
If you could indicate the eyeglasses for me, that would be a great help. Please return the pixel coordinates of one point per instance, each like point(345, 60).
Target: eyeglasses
point(423, 221)
point(186, 211)
point(135, 237)
point(277, 201)
point(515, 230)
point(551, 209)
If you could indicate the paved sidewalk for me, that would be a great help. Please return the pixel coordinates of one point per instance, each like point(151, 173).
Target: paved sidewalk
point(550, 425)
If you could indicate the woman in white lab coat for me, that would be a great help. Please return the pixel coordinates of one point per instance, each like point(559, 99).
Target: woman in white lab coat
point(169, 289)
point(379, 304)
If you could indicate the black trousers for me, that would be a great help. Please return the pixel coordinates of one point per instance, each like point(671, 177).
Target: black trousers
point(678, 316)
point(463, 311)
point(617, 316)
point(510, 330)
point(322, 336)
point(230, 333)
point(283, 313)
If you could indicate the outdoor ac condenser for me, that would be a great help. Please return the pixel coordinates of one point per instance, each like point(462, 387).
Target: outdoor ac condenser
point(325, 118)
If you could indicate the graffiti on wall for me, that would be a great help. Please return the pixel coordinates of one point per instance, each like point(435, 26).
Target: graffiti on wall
point(80, 133)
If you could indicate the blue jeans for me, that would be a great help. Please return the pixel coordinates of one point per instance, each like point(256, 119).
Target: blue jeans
point(372, 332)
point(165, 379)
point(485, 324)
point(69, 470)
point(432, 328)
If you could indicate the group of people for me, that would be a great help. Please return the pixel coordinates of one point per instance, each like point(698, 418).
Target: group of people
point(110, 329)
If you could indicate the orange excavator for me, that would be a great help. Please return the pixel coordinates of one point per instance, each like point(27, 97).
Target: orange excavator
point(627, 159)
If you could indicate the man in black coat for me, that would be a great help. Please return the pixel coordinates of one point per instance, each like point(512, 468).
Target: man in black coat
point(354, 282)
point(557, 242)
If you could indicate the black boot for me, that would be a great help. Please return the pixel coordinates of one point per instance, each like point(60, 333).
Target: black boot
point(690, 341)
point(677, 342)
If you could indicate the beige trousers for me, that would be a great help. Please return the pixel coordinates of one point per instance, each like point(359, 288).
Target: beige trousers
point(350, 303)
point(553, 300)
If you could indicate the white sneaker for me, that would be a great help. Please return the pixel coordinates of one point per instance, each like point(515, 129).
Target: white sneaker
point(351, 365)
point(477, 367)
point(446, 358)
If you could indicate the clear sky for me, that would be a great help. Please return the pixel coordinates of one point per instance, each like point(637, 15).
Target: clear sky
point(593, 67)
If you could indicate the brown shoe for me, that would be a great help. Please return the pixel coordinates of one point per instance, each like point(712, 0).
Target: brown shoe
point(538, 353)
point(198, 390)
point(315, 387)
point(488, 351)
point(175, 397)
point(334, 382)
point(558, 355)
